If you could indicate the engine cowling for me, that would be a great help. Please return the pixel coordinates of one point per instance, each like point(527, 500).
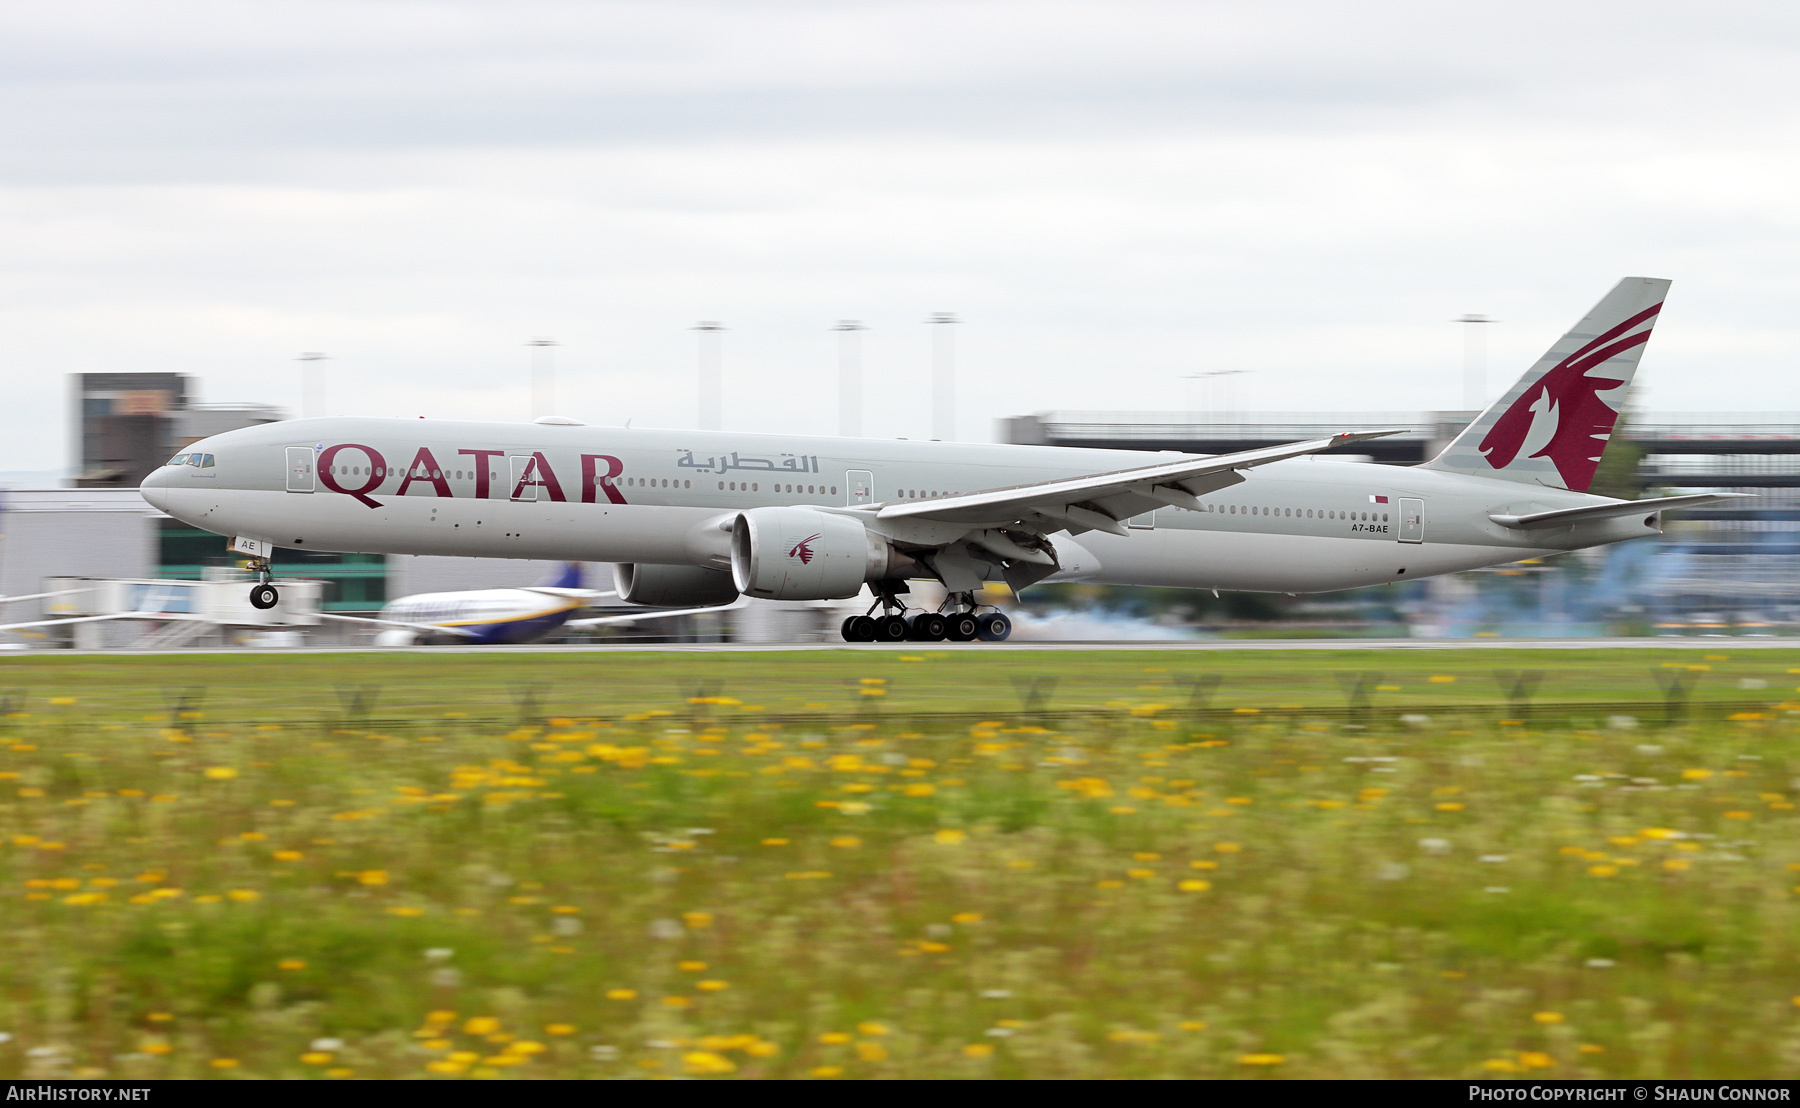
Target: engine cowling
point(802, 554)
point(672, 586)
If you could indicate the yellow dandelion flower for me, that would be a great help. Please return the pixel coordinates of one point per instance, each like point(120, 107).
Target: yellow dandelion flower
point(966, 917)
point(871, 1052)
point(1192, 1025)
point(291, 964)
point(1536, 1060)
point(979, 1050)
point(697, 921)
point(1591, 1048)
point(827, 1071)
point(317, 1057)
point(220, 773)
point(690, 967)
point(762, 1048)
point(372, 877)
point(559, 1029)
point(1696, 774)
point(621, 994)
point(834, 1038)
point(1603, 871)
point(1676, 865)
point(1500, 1065)
point(1194, 885)
point(1451, 806)
point(712, 986)
point(846, 841)
point(871, 1029)
point(949, 836)
point(1262, 1059)
point(288, 856)
point(1547, 1017)
point(774, 842)
point(676, 1001)
point(244, 896)
point(481, 1025)
point(699, 1062)
point(155, 1046)
point(224, 1063)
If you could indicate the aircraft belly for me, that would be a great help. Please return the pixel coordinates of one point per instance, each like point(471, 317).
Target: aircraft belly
point(1278, 563)
point(446, 526)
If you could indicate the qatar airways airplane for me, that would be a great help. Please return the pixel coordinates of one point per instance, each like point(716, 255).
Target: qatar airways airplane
point(705, 517)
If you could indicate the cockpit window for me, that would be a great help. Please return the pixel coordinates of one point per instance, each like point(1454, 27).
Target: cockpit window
point(206, 460)
point(193, 459)
point(178, 460)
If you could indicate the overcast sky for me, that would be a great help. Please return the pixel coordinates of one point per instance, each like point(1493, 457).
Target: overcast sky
point(1111, 194)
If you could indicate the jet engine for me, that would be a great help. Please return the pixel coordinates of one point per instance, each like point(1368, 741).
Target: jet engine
point(672, 586)
point(803, 554)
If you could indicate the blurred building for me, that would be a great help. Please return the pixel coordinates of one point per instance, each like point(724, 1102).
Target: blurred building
point(1729, 566)
point(127, 424)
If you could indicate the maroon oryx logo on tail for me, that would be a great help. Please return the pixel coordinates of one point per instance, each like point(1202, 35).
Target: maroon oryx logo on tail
point(803, 549)
point(1571, 398)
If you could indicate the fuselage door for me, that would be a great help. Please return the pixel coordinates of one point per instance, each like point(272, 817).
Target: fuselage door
point(1412, 520)
point(524, 478)
point(299, 469)
point(859, 487)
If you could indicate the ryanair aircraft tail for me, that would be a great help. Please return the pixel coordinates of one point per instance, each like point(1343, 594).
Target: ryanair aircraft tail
point(1551, 427)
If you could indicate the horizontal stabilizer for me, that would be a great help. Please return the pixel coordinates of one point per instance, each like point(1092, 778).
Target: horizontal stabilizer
point(1564, 517)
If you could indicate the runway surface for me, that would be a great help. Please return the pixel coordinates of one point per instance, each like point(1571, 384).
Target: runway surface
point(1191, 647)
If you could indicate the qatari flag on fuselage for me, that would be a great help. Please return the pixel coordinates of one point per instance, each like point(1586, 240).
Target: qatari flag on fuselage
point(1377, 499)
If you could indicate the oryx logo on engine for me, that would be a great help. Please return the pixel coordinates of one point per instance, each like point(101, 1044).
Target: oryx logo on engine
point(803, 549)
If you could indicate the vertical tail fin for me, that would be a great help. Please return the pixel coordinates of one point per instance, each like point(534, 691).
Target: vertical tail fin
point(1552, 425)
point(569, 577)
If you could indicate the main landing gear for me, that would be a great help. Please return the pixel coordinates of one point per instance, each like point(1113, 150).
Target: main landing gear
point(962, 623)
point(263, 595)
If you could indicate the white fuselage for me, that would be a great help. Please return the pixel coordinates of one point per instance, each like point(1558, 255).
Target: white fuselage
point(666, 497)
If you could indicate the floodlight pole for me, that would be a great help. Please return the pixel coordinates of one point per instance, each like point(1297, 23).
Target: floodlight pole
point(712, 375)
point(943, 376)
point(1474, 361)
point(543, 376)
point(850, 398)
point(312, 383)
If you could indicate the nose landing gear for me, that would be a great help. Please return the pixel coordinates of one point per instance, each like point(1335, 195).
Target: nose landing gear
point(263, 595)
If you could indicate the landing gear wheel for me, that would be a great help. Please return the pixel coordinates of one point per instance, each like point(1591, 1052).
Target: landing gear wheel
point(928, 627)
point(264, 597)
point(963, 628)
point(891, 629)
point(860, 629)
point(994, 628)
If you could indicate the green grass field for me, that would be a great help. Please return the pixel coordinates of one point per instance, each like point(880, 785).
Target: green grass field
point(840, 864)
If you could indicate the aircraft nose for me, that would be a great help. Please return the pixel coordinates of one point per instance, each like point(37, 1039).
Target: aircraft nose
point(155, 490)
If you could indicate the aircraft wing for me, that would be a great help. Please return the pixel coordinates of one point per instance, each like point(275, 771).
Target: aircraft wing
point(430, 628)
point(159, 616)
point(1101, 501)
point(660, 613)
point(41, 595)
point(568, 594)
